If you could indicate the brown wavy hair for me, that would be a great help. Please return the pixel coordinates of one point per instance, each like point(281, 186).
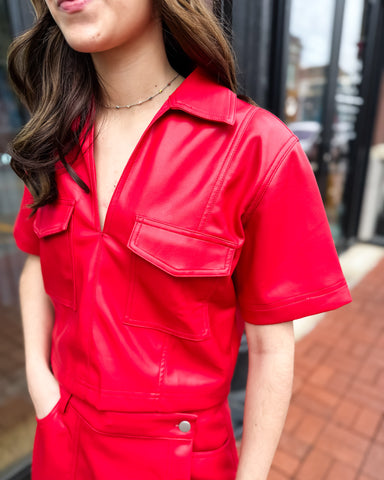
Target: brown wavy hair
point(60, 87)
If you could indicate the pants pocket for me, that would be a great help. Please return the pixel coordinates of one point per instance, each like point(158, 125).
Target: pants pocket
point(133, 446)
point(53, 446)
point(218, 464)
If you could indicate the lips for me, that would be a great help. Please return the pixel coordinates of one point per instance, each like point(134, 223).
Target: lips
point(72, 6)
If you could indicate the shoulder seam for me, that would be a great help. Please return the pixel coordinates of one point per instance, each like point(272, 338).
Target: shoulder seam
point(271, 173)
point(226, 164)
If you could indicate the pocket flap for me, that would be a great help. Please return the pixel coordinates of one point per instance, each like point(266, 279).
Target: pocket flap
point(53, 218)
point(181, 252)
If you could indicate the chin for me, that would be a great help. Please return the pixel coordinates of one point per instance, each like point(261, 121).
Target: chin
point(81, 48)
point(87, 45)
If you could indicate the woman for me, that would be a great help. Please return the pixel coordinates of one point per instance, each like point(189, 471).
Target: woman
point(161, 215)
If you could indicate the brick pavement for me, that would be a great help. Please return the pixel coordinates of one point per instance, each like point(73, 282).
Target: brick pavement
point(335, 424)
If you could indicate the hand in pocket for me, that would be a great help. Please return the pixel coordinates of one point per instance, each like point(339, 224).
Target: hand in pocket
point(45, 392)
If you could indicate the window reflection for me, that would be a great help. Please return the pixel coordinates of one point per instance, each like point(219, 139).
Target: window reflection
point(309, 54)
point(347, 108)
point(377, 152)
point(371, 226)
point(311, 28)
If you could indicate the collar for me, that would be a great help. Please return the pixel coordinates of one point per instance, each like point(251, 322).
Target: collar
point(201, 96)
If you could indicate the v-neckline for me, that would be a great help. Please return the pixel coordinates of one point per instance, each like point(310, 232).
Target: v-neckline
point(124, 174)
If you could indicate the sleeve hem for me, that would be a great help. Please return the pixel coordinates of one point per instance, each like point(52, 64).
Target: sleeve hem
point(303, 307)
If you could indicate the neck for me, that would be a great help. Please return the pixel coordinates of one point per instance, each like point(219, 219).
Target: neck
point(132, 72)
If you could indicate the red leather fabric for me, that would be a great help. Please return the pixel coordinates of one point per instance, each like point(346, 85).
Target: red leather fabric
point(216, 220)
point(76, 441)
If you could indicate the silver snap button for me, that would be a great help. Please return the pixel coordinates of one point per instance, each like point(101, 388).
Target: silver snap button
point(184, 426)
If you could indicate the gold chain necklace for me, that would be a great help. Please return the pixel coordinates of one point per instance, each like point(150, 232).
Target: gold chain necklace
point(118, 107)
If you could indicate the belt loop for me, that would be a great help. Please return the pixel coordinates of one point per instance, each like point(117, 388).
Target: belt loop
point(64, 400)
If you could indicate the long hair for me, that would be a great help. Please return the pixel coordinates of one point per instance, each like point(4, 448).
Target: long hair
point(60, 87)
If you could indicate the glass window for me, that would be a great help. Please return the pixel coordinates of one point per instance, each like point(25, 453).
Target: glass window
point(16, 414)
point(347, 107)
point(310, 41)
point(371, 226)
point(310, 35)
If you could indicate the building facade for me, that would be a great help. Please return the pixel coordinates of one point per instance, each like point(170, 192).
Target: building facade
point(318, 66)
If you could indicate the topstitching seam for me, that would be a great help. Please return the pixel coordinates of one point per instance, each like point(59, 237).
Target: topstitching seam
point(223, 170)
point(283, 153)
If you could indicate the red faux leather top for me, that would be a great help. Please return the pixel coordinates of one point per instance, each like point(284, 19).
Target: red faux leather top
point(216, 219)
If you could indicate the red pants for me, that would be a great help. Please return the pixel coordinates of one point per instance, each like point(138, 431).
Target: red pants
point(77, 442)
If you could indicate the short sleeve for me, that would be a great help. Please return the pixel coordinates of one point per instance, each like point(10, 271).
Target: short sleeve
point(288, 266)
point(25, 237)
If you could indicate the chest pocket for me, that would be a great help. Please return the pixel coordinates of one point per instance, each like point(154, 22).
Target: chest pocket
point(53, 227)
point(175, 271)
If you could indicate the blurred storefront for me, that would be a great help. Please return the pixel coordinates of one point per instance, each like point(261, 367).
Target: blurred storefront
point(16, 412)
point(371, 226)
point(318, 66)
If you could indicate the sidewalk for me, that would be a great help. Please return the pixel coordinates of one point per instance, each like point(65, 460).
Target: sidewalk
point(335, 424)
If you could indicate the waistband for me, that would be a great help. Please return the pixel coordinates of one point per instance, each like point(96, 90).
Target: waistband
point(207, 428)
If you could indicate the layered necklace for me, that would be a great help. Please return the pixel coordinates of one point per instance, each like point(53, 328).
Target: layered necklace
point(118, 107)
